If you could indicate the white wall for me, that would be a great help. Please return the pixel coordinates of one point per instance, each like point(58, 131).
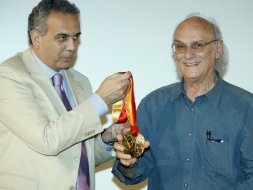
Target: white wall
point(135, 35)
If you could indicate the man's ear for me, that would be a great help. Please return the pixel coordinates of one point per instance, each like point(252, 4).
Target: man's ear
point(219, 49)
point(35, 37)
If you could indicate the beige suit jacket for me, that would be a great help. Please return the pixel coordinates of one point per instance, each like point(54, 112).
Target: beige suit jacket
point(39, 140)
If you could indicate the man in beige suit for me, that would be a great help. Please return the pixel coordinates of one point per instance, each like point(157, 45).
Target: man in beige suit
point(40, 141)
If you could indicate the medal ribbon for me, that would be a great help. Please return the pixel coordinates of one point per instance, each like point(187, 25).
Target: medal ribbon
point(123, 111)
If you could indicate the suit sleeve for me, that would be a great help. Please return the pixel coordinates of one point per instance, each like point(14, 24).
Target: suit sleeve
point(23, 114)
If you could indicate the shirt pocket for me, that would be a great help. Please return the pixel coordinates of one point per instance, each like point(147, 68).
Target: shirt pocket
point(218, 158)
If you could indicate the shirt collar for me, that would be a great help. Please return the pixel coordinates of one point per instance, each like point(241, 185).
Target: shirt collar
point(213, 95)
point(177, 91)
point(46, 70)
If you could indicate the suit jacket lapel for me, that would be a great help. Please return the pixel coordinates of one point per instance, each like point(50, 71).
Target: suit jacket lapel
point(76, 87)
point(36, 73)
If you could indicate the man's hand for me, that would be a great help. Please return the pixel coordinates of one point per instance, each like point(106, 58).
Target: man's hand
point(110, 133)
point(125, 159)
point(114, 88)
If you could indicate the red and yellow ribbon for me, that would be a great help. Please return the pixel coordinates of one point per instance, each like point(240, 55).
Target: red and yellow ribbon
point(125, 110)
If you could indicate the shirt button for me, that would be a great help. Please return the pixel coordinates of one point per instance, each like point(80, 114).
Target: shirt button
point(187, 159)
point(189, 134)
point(186, 185)
point(76, 158)
point(192, 109)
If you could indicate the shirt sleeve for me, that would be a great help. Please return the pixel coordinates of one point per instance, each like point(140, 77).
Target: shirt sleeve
point(109, 148)
point(98, 103)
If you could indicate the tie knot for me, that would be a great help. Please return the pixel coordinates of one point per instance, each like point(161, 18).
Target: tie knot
point(57, 79)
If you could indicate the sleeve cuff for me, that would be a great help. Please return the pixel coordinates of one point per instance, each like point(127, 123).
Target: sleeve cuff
point(99, 105)
point(109, 149)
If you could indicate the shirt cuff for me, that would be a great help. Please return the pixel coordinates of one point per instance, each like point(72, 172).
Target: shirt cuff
point(99, 105)
point(109, 149)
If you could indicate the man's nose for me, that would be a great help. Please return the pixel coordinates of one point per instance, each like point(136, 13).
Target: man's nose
point(71, 44)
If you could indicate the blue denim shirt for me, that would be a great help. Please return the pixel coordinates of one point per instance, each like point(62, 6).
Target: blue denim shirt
point(182, 155)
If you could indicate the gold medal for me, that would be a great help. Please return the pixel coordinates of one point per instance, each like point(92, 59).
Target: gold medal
point(124, 111)
point(133, 145)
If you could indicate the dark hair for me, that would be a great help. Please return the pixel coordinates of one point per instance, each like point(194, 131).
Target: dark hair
point(38, 17)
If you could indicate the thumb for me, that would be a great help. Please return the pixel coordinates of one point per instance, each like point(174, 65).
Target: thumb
point(146, 144)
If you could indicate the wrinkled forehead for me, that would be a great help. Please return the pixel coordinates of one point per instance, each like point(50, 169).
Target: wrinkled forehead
point(194, 28)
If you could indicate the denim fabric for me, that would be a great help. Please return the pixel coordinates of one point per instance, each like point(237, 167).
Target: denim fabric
point(182, 155)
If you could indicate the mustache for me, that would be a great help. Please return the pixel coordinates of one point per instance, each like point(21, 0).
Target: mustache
point(68, 54)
